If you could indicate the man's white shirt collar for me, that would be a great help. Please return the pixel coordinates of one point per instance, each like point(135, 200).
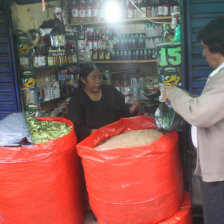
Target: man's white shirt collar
point(216, 71)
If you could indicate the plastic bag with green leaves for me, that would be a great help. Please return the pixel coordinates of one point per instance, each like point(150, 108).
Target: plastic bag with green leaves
point(166, 118)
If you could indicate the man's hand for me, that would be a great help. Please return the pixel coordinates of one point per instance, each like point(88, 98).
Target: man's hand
point(166, 91)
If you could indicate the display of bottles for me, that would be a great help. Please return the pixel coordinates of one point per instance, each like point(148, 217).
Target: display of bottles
point(102, 43)
point(129, 83)
point(93, 10)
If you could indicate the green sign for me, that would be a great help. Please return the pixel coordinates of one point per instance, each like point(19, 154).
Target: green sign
point(169, 55)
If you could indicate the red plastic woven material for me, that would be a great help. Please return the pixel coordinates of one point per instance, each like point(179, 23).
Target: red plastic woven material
point(183, 215)
point(138, 185)
point(41, 183)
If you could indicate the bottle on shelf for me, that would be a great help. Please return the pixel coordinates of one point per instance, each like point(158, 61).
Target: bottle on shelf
point(175, 6)
point(160, 8)
point(82, 11)
point(143, 6)
point(134, 86)
point(131, 13)
point(141, 86)
point(166, 8)
point(95, 10)
point(148, 8)
point(107, 54)
point(88, 10)
point(126, 85)
point(75, 12)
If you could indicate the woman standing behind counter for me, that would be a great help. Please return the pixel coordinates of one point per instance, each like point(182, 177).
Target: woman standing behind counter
point(94, 105)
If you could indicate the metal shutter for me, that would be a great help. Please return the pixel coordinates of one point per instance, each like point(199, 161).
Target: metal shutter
point(9, 92)
point(199, 13)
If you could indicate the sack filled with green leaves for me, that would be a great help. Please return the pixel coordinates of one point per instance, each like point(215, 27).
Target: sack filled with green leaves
point(43, 131)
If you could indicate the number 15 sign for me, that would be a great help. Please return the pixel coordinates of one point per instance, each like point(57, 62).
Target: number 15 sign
point(169, 62)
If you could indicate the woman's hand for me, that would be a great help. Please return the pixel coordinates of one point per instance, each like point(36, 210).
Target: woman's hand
point(134, 107)
point(93, 130)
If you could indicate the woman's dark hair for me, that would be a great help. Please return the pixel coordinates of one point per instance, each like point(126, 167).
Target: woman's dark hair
point(85, 70)
point(213, 35)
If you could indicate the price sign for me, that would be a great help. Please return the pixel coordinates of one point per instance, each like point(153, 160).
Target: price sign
point(169, 62)
point(169, 54)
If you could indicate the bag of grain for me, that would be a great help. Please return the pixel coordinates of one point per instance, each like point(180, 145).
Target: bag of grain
point(127, 184)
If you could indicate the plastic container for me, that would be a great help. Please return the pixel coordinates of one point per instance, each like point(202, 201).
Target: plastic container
point(134, 87)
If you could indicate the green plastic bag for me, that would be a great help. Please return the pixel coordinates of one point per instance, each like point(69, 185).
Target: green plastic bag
point(166, 118)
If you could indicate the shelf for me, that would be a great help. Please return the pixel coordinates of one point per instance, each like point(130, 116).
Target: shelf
point(56, 99)
point(135, 20)
point(119, 61)
point(54, 66)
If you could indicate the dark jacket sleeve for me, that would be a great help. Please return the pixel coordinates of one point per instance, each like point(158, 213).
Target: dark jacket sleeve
point(76, 115)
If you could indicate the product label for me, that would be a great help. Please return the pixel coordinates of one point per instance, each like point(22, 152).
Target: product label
point(107, 55)
point(95, 55)
point(81, 44)
point(160, 10)
point(24, 60)
point(175, 8)
point(125, 90)
point(143, 14)
point(165, 10)
point(101, 55)
point(130, 13)
point(75, 12)
point(82, 13)
point(50, 60)
point(88, 13)
point(90, 44)
point(99, 44)
point(95, 12)
point(95, 44)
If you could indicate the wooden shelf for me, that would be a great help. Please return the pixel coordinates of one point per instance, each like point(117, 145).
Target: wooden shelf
point(54, 66)
point(57, 99)
point(119, 61)
point(135, 20)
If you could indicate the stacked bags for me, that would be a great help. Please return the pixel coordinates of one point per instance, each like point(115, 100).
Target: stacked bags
point(40, 184)
point(134, 184)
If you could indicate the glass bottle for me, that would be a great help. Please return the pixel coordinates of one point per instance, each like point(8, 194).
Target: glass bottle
point(89, 10)
point(95, 10)
point(75, 11)
point(166, 8)
point(160, 8)
point(175, 6)
point(143, 8)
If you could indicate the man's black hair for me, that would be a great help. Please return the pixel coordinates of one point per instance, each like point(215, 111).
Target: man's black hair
point(212, 35)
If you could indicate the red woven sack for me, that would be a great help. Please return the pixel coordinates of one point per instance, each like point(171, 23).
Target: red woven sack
point(183, 215)
point(139, 185)
point(40, 184)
